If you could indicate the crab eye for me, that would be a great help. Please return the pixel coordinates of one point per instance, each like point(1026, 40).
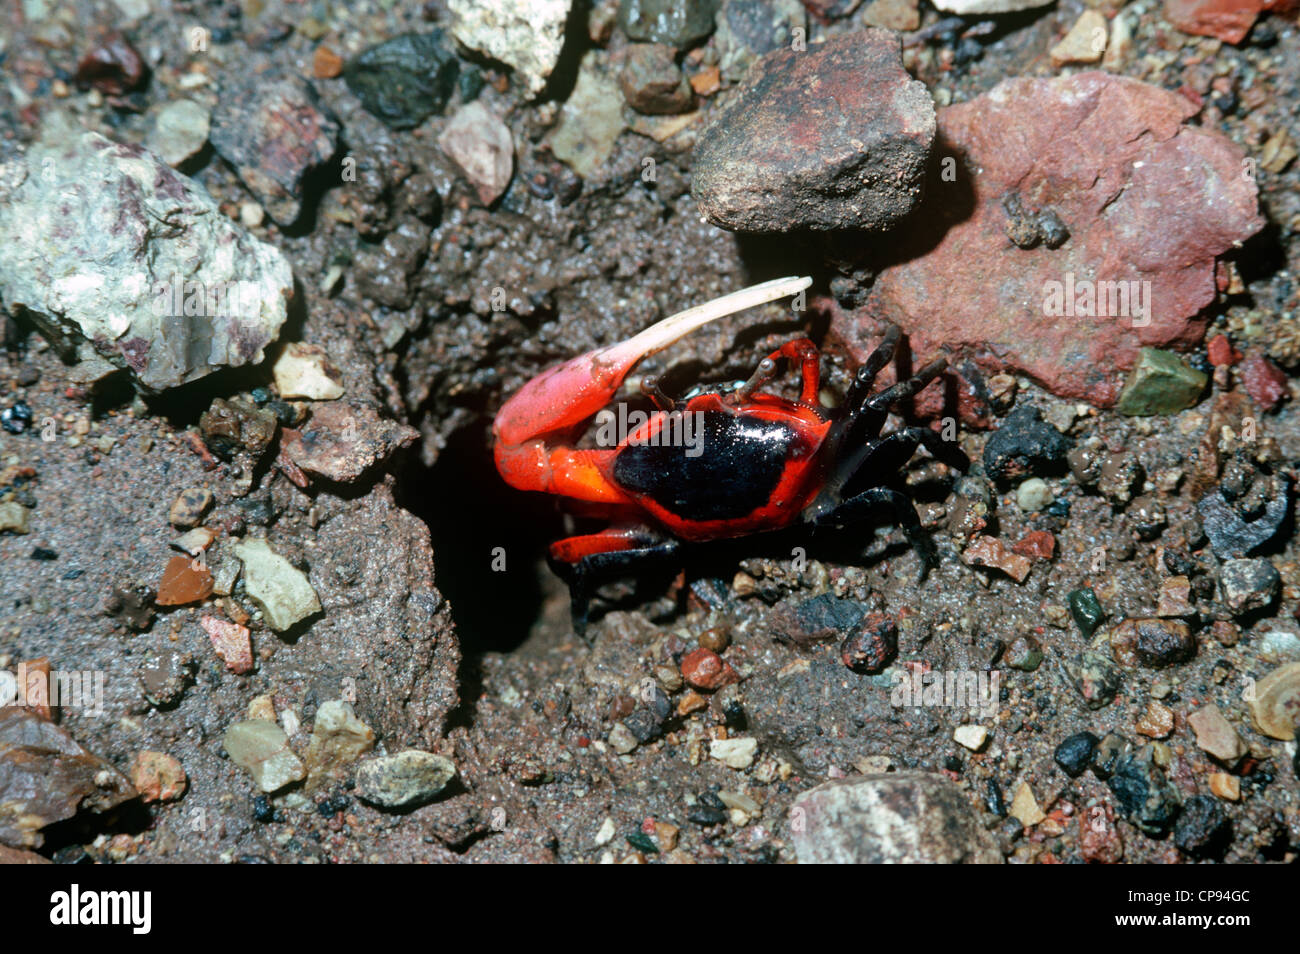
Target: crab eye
point(767, 366)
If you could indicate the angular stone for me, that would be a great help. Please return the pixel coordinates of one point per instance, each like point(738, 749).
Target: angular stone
point(734, 753)
point(180, 131)
point(403, 780)
point(338, 738)
point(896, 818)
point(652, 82)
point(305, 371)
point(231, 642)
point(992, 552)
point(341, 442)
point(404, 80)
point(47, 777)
point(480, 143)
point(1228, 20)
point(1264, 381)
point(1160, 383)
point(1215, 734)
point(274, 132)
point(1248, 585)
point(279, 588)
point(184, 581)
point(526, 35)
point(836, 137)
point(1144, 196)
point(1085, 43)
point(590, 120)
point(158, 777)
point(121, 262)
point(262, 749)
point(748, 29)
point(189, 507)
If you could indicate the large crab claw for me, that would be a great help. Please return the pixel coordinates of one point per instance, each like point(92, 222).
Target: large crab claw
point(563, 397)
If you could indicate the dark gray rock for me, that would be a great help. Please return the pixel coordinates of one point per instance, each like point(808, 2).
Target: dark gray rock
point(1025, 444)
point(1203, 828)
point(1075, 752)
point(896, 818)
point(835, 137)
point(1140, 787)
point(1233, 536)
point(405, 80)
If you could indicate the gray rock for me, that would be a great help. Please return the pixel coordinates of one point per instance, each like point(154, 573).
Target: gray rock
point(279, 588)
point(274, 132)
point(678, 23)
point(895, 818)
point(748, 29)
point(405, 779)
point(836, 137)
point(1248, 584)
point(980, 7)
point(591, 119)
point(124, 263)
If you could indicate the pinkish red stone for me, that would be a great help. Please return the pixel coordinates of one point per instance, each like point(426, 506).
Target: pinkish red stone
point(231, 641)
point(1038, 544)
point(1221, 352)
point(1264, 381)
point(1145, 197)
point(1228, 20)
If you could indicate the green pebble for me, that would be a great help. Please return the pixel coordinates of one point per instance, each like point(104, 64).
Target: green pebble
point(1160, 383)
point(1086, 610)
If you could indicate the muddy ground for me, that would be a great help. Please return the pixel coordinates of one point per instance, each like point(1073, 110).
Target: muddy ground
point(442, 650)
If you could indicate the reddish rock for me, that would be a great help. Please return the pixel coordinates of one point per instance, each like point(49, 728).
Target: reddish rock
point(1228, 20)
point(1221, 352)
point(1100, 841)
point(342, 441)
point(991, 552)
point(1143, 196)
point(705, 669)
point(158, 777)
point(231, 641)
point(184, 580)
point(1038, 544)
point(1264, 381)
point(113, 67)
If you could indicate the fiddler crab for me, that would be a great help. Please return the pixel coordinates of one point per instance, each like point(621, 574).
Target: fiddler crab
point(762, 462)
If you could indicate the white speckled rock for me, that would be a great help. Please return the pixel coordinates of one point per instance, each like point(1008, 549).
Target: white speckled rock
point(526, 35)
point(895, 818)
point(123, 262)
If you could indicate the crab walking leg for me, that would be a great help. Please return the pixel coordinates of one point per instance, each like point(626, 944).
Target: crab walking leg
point(569, 393)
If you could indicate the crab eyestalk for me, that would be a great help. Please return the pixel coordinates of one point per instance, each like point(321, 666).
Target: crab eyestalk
point(570, 393)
